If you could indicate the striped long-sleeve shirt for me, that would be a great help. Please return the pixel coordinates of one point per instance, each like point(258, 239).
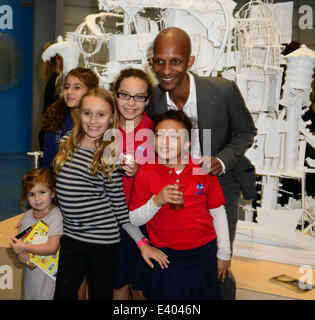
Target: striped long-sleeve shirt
point(93, 207)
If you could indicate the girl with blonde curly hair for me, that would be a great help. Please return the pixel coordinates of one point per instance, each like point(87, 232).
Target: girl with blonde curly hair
point(92, 201)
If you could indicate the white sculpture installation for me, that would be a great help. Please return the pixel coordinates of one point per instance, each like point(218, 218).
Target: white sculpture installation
point(209, 23)
point(247, 49)
point(279, 148)
point(69, 50)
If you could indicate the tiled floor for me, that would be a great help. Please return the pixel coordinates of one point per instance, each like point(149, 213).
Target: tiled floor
point(12, 168)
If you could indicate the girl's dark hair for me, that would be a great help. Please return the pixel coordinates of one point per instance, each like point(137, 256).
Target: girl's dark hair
point(176, 115)
point(53, 117)
point(134, 73)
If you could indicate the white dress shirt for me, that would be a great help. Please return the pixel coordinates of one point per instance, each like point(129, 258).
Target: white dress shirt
point(190, 109)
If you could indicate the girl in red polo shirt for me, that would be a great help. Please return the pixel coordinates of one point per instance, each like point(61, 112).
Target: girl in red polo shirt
point(195, 238)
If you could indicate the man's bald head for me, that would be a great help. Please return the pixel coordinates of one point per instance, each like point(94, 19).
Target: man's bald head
point(175, 35)
point(172, 59)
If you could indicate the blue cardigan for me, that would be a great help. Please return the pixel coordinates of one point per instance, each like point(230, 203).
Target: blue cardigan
point(52, 141)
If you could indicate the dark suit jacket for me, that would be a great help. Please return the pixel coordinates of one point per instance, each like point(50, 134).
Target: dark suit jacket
point(222, 109)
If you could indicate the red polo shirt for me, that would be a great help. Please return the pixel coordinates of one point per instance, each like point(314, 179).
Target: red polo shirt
point(136, 143)
point(186, 228)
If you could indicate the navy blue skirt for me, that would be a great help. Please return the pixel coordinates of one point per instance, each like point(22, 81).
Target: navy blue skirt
point(191, 275)
point(131, 268)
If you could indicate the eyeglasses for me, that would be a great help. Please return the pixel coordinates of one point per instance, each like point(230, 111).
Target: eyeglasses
point(127, 96)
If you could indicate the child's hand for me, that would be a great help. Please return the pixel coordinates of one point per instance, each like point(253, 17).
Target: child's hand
point(18, 226)
point(23, 257)
point(223, 269)
point(131, 169)
point(148, 252)
point(17, 245)
point(169, 194)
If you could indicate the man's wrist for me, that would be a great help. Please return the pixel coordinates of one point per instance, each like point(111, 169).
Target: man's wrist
point(223, 166)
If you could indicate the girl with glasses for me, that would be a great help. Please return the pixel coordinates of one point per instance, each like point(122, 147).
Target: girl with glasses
point(132, 91)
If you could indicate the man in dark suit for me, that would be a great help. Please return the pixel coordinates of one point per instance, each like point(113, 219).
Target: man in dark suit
point(216, 104)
